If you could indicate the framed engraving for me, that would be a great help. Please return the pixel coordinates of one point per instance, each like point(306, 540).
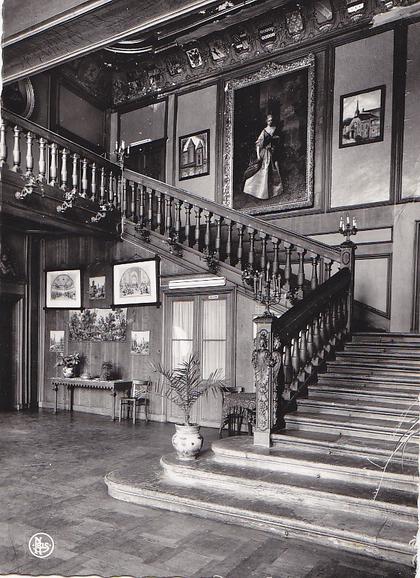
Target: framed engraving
point(63, 289)
point(136, 282)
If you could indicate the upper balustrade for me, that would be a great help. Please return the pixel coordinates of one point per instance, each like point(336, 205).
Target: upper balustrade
point(42, 158)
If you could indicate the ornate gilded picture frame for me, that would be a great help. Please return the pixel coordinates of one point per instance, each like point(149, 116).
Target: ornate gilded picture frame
point(269, 138)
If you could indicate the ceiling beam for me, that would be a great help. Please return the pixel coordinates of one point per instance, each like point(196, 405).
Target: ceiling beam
point(90, 31)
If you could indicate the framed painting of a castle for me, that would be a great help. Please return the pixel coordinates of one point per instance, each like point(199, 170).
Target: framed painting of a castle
point(194, 159)
point(362, 117)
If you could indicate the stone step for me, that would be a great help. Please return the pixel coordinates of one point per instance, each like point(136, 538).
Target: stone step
point(358, 469)
point(383, 383)
point(347, 390)
point(378, 450)
point(370, 407)
point(379, 535)
point(350, 424)
point(388, 348)
point(390, 371)
point(377, 337)
point(291, 487)
point(379, 359)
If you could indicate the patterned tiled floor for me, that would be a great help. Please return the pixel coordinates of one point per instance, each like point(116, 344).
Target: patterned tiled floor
point(51, 480)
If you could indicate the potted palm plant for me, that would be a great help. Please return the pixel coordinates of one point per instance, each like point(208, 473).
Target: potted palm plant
point(184, 386)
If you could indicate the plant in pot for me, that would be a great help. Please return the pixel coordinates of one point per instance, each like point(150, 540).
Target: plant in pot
point(70, 363)
point(184, 386)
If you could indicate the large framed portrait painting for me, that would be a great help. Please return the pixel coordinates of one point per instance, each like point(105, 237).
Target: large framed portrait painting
point(269, 138)
point(136, 282)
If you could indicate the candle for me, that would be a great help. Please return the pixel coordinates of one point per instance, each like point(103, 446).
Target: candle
point(116, 146)
point(348, 219)
point(354, 223)
point(341, 223)
point(123, 144)
point(267, 272)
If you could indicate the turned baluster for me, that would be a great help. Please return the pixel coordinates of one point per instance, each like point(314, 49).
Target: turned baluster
point(75, 173)
point(150, 207)
point(29, 154)
point(295, 358)
point(314, 276)
point(132, 209)
point(263, 260)
point(328, 266)
point(310, 346)
point(141, 207)
point(63, 174)
point(16, 149)
point(287, 367)
point(251, 252)
point(276, 277)
point(322, 329)
point(288, 266)
point(42, 163)
point(334, 317)
point(187, 210)
point(3, 145)
point(111, 188)
point(327, 317)
point(207, 238)
point(178, 206)
point(197, 212)
point(93, 182)
point(228, 253)
point(316, 335)
point(102, 187)
point(168, 215)
point(303, 349)
point(53, 164)
point(84, 181)
point(301, 272)
point(218, 221)
point(119, 192)
point(239, 254)
point(159, 212)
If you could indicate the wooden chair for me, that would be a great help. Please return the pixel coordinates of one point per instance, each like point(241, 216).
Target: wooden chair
point(138, 398)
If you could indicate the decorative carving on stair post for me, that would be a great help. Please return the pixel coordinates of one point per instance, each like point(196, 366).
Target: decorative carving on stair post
point(263, 363)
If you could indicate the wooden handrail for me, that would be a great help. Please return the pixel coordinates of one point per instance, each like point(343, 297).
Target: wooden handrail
point(227, 213)
point(50, 136)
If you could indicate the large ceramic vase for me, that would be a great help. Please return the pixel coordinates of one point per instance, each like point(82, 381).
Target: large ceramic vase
point(68, 371)
point(187, 441)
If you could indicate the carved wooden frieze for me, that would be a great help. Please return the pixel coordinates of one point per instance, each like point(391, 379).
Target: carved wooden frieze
point(270, 33)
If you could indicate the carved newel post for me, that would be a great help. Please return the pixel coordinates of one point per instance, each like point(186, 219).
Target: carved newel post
point(347, 260)
point(263, 363)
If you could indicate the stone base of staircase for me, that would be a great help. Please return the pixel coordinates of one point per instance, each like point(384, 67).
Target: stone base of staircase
point(287, 492)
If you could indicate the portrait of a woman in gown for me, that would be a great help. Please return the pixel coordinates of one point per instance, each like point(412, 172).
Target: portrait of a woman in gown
point(262, 178)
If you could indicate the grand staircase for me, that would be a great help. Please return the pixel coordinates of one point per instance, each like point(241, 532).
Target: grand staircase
point(331, 475)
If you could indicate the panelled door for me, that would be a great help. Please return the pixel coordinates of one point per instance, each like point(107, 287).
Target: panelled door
point(201, 324)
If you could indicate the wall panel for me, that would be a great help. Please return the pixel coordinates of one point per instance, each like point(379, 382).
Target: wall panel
point(361, 174)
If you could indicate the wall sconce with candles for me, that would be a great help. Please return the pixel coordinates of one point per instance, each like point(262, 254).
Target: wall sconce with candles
point(346, 229)
point(122, 152)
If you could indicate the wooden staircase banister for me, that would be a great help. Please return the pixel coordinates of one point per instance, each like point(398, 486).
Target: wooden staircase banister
point(248, 221)
point(52, 137)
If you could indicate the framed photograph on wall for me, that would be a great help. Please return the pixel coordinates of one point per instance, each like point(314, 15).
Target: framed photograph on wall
point(57, 341)
point(136, 282)
point(194, 155)
point(269, 133)
point(63, 289)
point(140, 342)
point(97, 287)
point(362, 116)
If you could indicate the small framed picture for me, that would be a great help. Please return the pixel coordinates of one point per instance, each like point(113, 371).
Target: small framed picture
point(136, 282)
point(140, 342)
point(97, 287)
point(194, 155)
point(63, 289)
point(57, 341)
point(362, 117)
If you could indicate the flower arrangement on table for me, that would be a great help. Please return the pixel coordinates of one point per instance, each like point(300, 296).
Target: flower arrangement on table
point(69, 363)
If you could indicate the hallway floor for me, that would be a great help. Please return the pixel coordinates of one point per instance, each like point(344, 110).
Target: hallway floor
point(51, 480)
